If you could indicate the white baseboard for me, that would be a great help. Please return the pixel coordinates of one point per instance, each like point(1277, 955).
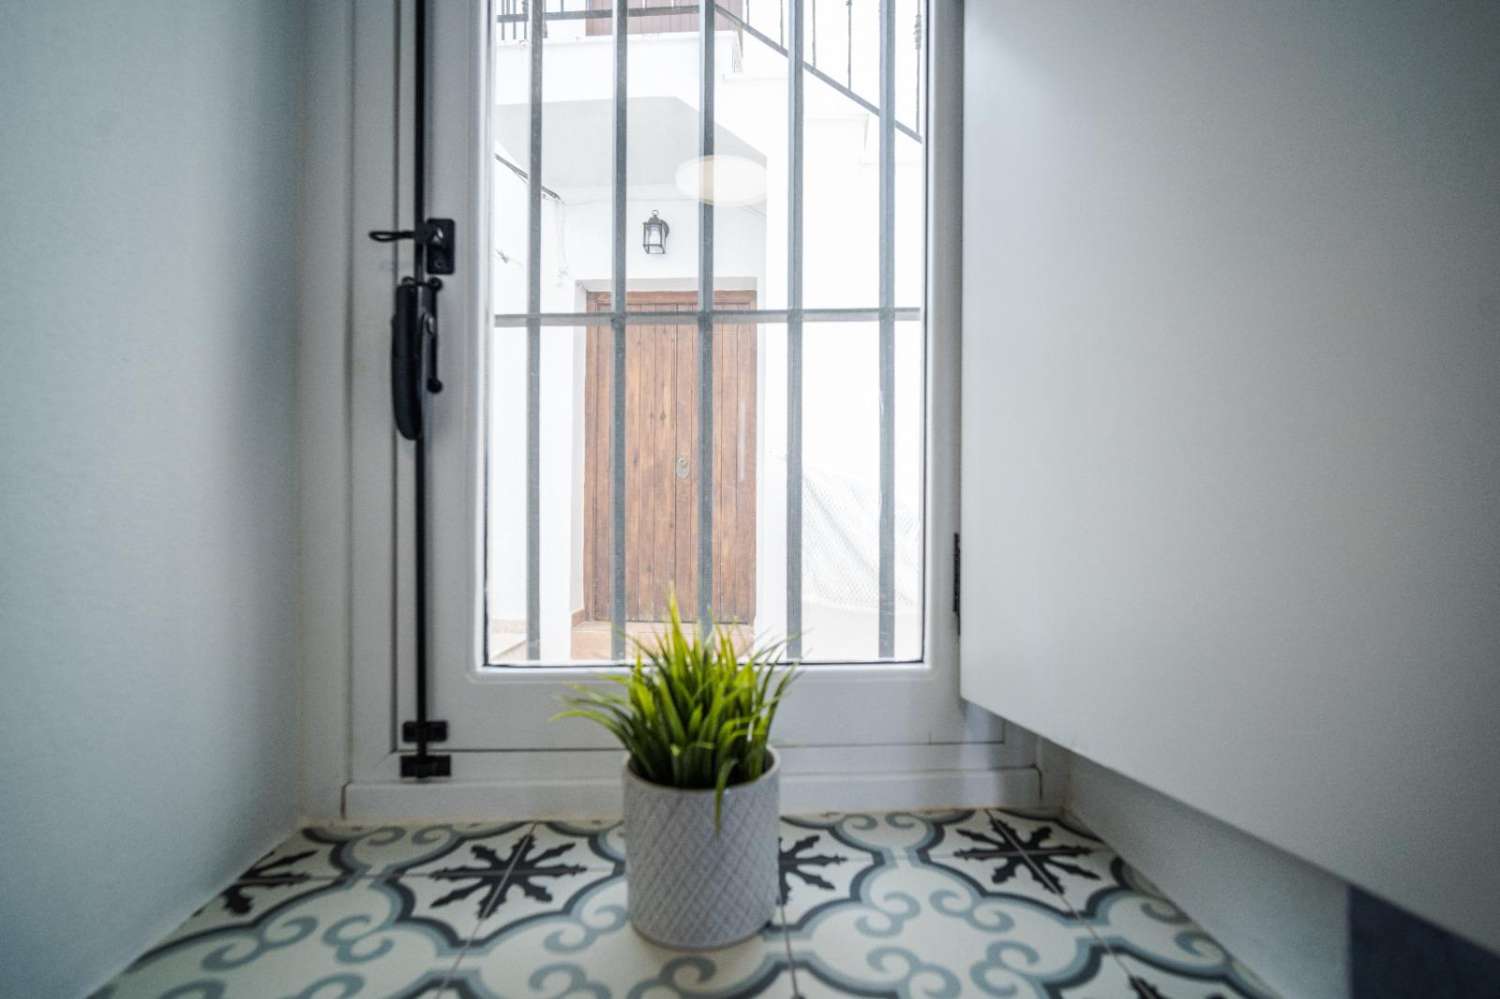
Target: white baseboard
point(599, 796)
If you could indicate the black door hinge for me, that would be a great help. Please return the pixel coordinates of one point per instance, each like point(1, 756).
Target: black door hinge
point(957, 582)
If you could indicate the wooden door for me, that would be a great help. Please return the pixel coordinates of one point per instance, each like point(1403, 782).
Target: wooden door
point(661, 461)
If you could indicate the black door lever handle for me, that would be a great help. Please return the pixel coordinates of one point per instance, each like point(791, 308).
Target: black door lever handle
point(407, 334)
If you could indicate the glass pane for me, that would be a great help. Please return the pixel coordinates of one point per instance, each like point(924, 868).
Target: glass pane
point(841, 492)
point(911, 486)
point(569, 562)
point(748, 177)
point(505, 496)
point(663, 142)
point(840, 200)
point(577, 129)
point(911, 168)
point(660, 480)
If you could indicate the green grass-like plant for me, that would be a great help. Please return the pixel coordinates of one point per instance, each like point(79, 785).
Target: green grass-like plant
point(691, 712)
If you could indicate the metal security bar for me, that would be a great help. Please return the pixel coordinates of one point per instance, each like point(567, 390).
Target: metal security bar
point(529, 19)
point(617, 329)
point(887, 568)
point(509, 320)
point(794, 84)
point(707, 73)
point(534, 351)
point(512, 19)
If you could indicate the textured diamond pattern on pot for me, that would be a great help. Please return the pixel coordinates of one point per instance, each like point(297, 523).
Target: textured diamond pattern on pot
point(687, 886)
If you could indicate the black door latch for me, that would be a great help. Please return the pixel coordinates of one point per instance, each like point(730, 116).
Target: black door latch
point(437, 243)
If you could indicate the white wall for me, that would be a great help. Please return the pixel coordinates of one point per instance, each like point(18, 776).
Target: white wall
point(1281, 916)
point(1232, 417)
point(148, 183)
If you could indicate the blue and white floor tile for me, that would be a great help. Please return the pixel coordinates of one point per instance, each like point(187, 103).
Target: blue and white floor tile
point(942, 903)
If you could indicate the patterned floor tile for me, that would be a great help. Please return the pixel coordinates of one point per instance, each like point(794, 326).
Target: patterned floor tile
point(365, 936)
point(821, 865)
point(591, 843)
point(485, 851)
point(1063, 855)
point(1152, 982)
point(920, 929)
point(934, 832)
point(368, 851)
point(987, 854)
point(1124, 909)
point(568, 933)
point(940, 903)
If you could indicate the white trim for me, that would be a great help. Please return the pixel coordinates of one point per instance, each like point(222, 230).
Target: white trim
point(587, 784)
point(372, 439)
point(323, 386)
point(600, 797)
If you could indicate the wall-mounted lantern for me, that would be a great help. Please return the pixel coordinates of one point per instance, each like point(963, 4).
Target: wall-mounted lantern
point(654, 234)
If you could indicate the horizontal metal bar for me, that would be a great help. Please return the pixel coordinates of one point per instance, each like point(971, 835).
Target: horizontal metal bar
point(513, 319)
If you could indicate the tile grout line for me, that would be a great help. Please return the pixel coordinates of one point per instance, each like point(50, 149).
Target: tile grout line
point(1041, 875)
point(489, 910)
point(786, 943)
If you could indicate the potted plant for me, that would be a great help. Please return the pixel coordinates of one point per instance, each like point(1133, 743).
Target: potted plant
point(701, 792)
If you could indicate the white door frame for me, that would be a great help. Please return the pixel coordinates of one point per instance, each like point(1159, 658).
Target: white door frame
point(912, 740)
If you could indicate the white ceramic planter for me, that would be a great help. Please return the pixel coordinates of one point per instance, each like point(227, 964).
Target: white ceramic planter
point(689, 887)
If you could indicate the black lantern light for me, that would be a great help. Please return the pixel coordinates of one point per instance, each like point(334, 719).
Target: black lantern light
point(654, 234)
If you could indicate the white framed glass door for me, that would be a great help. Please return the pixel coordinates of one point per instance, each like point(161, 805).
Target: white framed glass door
point(827, 358)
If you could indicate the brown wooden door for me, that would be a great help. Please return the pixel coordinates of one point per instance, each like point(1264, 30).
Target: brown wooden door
point(661, 454)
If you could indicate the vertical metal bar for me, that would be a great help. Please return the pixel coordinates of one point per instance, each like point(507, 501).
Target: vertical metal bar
point(419, 449)
point(617, 329)
point(887, 625)
point(916, 107)
point(849, 43)
point(419, 142)
point(706, 19)
point(534, 345)
point(794, 337)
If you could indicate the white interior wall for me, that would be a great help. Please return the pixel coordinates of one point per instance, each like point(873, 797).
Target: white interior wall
point(1231, 353)
point(149, 179)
